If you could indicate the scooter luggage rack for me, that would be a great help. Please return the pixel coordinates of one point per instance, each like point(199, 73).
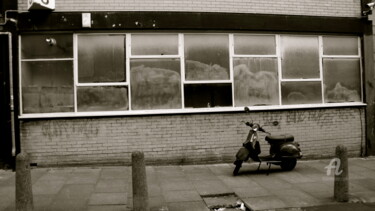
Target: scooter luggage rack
point(269, 161)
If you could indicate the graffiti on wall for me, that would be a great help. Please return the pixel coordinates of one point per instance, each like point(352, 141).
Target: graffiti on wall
point(320, 117)
point(85, 127)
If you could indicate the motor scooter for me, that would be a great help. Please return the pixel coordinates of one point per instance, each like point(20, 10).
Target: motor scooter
point(284, 152)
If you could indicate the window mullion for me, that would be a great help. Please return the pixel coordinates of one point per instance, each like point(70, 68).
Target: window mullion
point(321, 66)
point(182, 65)
point(278, 51)
point(231, 69)
point(127, 67)
point(75, 70)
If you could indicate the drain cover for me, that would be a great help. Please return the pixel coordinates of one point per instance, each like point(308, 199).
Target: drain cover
point(224, 202)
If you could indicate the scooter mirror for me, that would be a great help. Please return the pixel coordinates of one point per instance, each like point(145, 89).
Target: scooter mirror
point(247, 109)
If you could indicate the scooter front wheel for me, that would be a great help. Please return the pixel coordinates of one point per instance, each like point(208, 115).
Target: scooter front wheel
point(238, 164)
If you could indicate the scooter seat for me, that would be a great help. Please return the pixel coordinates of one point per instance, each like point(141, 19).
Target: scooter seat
point(280, 138)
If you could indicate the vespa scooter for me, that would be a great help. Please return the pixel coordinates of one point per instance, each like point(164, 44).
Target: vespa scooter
point(284, 152)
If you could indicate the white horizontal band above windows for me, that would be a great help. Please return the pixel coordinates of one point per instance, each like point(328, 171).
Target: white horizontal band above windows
point(119, 74)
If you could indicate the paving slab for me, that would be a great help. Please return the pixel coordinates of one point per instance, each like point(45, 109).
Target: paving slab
point(188, 206)
point(264, 203)
point(108, 199)
point(172, 185)
point(296, 198)
point(248, 192)
point(182, 196)
point(112, 185)
point(209, 187)
point(108, 208)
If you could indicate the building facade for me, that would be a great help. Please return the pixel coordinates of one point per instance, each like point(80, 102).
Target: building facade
point(97, 80)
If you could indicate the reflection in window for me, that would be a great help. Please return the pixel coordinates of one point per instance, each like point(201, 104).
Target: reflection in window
point(47, 86)
point(47, 46)
point(207, 95)
point(301, 92)
point(102, 98)
point(300, 57)
point(155, 84)
point(255, 81)
point(342, 80)
point(255, 44)
point(154, 44)
point(206, 57)
point(340, 45)
point(101, 58)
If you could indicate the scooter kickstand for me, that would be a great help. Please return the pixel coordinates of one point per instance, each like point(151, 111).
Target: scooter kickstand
point(259, 166)
point(269, 167)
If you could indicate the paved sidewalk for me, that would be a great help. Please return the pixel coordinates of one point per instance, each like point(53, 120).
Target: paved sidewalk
point(181, 188)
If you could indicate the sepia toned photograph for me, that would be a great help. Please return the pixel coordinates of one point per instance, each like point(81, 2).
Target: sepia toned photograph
point(187, 105)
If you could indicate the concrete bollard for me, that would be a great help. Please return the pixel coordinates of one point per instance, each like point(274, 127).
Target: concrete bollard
point(341, 185)
point(24, 194)
point(140, 194)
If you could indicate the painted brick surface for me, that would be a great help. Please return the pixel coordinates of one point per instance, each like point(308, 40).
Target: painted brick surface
point(336, 8)
point(186, 139)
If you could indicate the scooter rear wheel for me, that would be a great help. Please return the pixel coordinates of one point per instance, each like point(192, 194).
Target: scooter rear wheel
point(288, 164)
point(238, 164)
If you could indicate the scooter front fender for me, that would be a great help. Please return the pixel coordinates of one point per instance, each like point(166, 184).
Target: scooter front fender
point(243, 154)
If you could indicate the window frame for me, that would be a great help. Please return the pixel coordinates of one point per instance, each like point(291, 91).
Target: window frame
point(181, 57)
point(99, 84)
point(20, 60)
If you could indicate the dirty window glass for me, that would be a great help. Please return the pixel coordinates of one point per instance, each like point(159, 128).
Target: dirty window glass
point(102, 98)
point(47, 86)
point(301, 92)
point(155, 44)
point(207, 95)
point(255, 81)
point(155, 84)
point(300, 57)
point(206, 57)
point(255, 44)
point(342, 80)
point(47, 46)
point(101, 58)
point(340, 45)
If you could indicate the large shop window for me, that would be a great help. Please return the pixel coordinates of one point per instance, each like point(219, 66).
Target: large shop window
point(62, 73)
point(47, 73)
point(102, 82)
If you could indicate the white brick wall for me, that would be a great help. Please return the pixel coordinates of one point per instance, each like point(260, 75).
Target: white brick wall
point(186, 139)
point(336, 8)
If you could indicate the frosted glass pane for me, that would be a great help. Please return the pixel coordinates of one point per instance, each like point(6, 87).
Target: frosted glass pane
point(206, 57)
point(255, 81)
point(254, 44)
point(207, 95)
point(143, 44)
point(342, 80)
point(37, 47)
point(47, 86)
point(301, 92)
point(155, 84)
point(101, 58)
point(300, 57)
point(340, 45)
point(102, 98)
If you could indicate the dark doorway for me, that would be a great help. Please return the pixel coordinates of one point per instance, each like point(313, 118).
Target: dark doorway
point(5, 116)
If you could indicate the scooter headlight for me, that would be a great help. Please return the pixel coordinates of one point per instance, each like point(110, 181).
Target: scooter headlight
point(256, 127)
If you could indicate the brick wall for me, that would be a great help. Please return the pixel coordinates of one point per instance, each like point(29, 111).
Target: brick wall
point(337, 8)
point(185, 139)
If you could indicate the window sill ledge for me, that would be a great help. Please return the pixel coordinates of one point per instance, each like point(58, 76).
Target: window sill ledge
point(187, 111)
